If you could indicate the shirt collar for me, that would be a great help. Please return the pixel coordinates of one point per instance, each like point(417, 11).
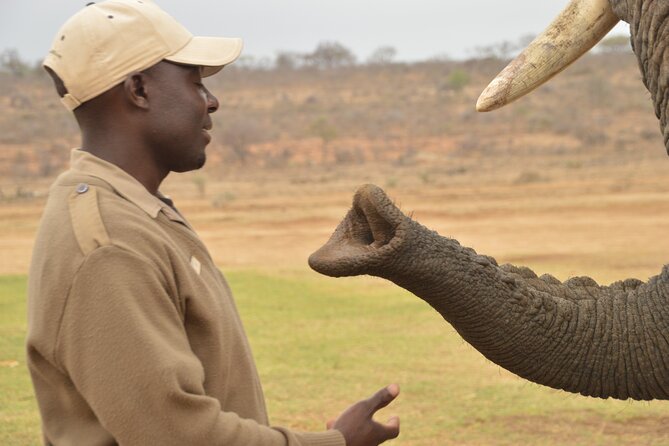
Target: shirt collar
point(122, 182)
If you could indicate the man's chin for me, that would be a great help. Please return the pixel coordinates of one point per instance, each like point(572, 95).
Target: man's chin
point(201, 161)
point(195, 164)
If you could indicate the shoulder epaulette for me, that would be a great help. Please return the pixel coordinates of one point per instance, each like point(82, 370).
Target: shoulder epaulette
point(87, 223)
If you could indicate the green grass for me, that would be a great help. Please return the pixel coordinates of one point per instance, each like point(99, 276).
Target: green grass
point(321, 344)
point(19, 420)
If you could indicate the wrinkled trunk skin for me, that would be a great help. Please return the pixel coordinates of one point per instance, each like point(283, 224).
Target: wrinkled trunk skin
point(650, 39)
point(600, 341)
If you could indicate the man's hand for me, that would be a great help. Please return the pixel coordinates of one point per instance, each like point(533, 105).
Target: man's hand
point(357, 425)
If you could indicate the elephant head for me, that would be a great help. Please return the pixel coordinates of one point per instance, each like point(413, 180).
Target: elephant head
point(601, 341)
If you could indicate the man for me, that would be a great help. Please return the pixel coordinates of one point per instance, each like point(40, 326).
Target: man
point(133, 335)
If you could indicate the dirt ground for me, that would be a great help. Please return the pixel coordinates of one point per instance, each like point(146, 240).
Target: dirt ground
point(601, 214)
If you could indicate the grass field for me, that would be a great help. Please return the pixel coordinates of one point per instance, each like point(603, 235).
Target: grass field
point(322, 343)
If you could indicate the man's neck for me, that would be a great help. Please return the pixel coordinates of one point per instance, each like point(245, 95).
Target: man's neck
point(134, 162)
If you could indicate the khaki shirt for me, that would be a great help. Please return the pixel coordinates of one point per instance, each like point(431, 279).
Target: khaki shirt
point(133, 335)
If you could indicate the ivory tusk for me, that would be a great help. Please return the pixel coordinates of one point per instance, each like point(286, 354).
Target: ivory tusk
point(579, 27)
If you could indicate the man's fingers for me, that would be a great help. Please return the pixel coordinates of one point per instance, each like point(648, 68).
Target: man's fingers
point(330, 424)
point(383, 397)
point(391, 429)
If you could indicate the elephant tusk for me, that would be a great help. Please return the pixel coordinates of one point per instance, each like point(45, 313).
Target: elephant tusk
point(579, 27)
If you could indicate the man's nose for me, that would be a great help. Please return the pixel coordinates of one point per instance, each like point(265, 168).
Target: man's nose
point(212, 102)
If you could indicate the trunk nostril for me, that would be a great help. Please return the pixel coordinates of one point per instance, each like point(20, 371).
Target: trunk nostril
point(371, 228)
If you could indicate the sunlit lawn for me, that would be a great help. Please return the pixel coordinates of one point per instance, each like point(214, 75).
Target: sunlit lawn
point(321, 344)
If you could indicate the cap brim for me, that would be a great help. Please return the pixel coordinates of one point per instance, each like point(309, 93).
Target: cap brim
point(211, 53)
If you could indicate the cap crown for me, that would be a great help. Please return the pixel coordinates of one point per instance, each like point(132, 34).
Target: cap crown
point(101, 44)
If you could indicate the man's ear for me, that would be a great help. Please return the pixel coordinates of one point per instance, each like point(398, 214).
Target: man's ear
point(135, 88)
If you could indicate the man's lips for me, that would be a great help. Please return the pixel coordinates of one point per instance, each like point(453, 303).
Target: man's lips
point(205, 129)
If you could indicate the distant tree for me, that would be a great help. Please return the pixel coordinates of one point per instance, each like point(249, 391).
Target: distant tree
point(19, 100)
point(200, 182)
point(287, 61)
point(441, 58)
point(383, 55)
point(322, 128)
point(249, 62)
point(45, 164)
point(615, 44)
point(524, 41)
point(458, 79)
point(11, 62)
point(239, 134)
point(329, 55)
point(245, 61)
point(502, 51)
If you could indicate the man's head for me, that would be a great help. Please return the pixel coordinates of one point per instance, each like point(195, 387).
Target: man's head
point(127, 65)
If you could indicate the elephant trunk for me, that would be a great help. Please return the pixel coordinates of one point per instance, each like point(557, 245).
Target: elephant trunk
point(576, 336)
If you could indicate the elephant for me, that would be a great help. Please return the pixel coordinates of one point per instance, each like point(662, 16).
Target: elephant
point(600, 341)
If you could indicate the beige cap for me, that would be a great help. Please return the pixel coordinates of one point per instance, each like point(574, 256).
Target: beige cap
point(100, 45)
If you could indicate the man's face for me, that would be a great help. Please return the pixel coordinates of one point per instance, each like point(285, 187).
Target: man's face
point(179, 118)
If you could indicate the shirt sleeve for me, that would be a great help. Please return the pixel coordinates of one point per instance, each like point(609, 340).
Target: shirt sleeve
point(124, 346)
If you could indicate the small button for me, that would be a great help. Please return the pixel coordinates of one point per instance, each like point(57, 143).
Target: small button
point(82, 188)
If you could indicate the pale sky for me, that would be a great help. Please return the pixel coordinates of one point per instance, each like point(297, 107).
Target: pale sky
point(418, 29)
